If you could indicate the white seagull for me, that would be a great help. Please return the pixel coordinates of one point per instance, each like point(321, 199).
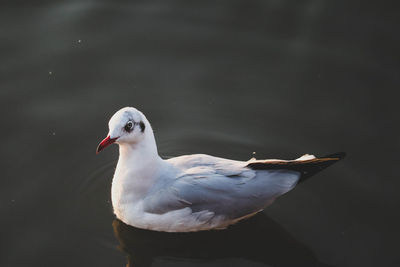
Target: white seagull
point(193, 192)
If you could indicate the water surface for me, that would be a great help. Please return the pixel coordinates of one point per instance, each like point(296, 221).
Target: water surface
point(229, 78)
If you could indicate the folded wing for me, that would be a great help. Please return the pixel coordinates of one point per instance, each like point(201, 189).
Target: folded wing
point(224, 187)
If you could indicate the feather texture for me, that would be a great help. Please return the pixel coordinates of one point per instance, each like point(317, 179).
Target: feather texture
point(193, 192)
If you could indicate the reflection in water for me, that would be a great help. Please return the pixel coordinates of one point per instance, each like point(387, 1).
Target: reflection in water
point(258, 239)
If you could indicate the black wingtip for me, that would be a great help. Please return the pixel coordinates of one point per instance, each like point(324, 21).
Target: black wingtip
point(327, 161)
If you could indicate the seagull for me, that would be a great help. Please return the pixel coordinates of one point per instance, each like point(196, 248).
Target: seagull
point(193, 192)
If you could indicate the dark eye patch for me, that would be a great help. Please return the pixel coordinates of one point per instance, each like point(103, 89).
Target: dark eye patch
point(142, 126)
point(128, 126)
point(131, 124)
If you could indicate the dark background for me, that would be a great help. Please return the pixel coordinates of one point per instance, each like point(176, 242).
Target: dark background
point(281, 78)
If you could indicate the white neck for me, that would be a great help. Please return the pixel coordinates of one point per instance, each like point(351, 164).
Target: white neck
point(136, 171)
point(139, 153)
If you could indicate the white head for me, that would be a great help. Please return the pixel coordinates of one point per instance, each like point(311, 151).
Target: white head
point(128, 126)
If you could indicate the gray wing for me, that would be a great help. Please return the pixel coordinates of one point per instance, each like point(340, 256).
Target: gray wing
point(224, 187)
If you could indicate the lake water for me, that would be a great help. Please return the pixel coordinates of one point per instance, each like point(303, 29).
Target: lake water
point(226, 78)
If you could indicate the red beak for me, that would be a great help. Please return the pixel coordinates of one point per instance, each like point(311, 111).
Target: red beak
point(103, 144)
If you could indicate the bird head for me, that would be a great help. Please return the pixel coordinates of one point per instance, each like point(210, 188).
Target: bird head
point(127, 126)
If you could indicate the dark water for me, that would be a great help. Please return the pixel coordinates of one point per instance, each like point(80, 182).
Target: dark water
point(227, 78)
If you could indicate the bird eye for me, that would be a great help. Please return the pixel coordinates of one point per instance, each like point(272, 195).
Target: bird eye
point(128, 126)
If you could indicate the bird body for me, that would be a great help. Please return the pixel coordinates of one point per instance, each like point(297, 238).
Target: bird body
point(192, 192)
